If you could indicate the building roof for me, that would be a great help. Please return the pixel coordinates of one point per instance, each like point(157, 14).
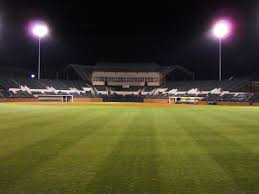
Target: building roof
point(127, 64)
point(85, 71)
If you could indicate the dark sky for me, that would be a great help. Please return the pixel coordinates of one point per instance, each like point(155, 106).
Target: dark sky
point(165, 31)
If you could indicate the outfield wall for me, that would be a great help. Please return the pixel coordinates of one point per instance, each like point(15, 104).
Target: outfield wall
point(88, 100)
point(36, 100)
point(18, 100)
point(202, 103)
point(160, 101)
point(166, 101)
point(237, 103)
point(234, 103)
point(147, 100)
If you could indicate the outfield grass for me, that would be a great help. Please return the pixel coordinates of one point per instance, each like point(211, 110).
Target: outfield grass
point(96, 149)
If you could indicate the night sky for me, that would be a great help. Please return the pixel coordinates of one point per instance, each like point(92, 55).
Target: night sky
point(167, 32)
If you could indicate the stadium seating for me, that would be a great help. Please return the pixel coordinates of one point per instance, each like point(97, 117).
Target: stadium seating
point(100, 88)
point(119, 88)
point(21, 94)
point(229, 85)
point(79, 85)
point(8, 83)
point(211, 97)
point(243, 97)
point(58, 85)
point(32, 84)
point(1, 94)
point(255, 98)
point(149, 89)
point(211, 91)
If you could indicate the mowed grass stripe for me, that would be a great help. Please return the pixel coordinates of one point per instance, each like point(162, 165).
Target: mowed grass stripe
point(242, 112)
point(237, 161)
point(21, 111)
point(10, 108)
point(132, 167)
point(130, 150)
point(244, 130)
point(21, 162)
point(185, 166)
point(33, 120)
point(74, 167)
point(41, 128)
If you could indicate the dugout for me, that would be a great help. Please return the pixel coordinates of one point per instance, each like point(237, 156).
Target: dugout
point(55, 98)
point(184, 100)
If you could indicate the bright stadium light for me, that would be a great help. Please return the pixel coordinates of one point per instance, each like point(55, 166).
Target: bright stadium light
point(221, 30)
point(39, 30)
point(32, 76)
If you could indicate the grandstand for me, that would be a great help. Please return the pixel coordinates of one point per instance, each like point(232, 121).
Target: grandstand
point(128, 82)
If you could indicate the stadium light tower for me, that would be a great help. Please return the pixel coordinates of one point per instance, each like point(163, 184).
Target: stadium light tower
point(40, 30)
point(221, 30)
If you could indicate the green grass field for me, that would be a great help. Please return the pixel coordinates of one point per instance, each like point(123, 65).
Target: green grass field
point(122, 150)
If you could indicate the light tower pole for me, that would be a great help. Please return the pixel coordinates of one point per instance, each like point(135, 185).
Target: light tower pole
point(40, 30)
point(220, 59)
point(221, 30)
point(39, 60)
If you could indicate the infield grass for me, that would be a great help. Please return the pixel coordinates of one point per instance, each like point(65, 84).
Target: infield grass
point(98, 149)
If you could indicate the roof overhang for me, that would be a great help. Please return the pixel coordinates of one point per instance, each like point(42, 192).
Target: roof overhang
point(86, 71)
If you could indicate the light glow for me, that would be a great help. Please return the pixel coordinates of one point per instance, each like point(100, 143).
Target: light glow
point(40, 30)
point(222, 29)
